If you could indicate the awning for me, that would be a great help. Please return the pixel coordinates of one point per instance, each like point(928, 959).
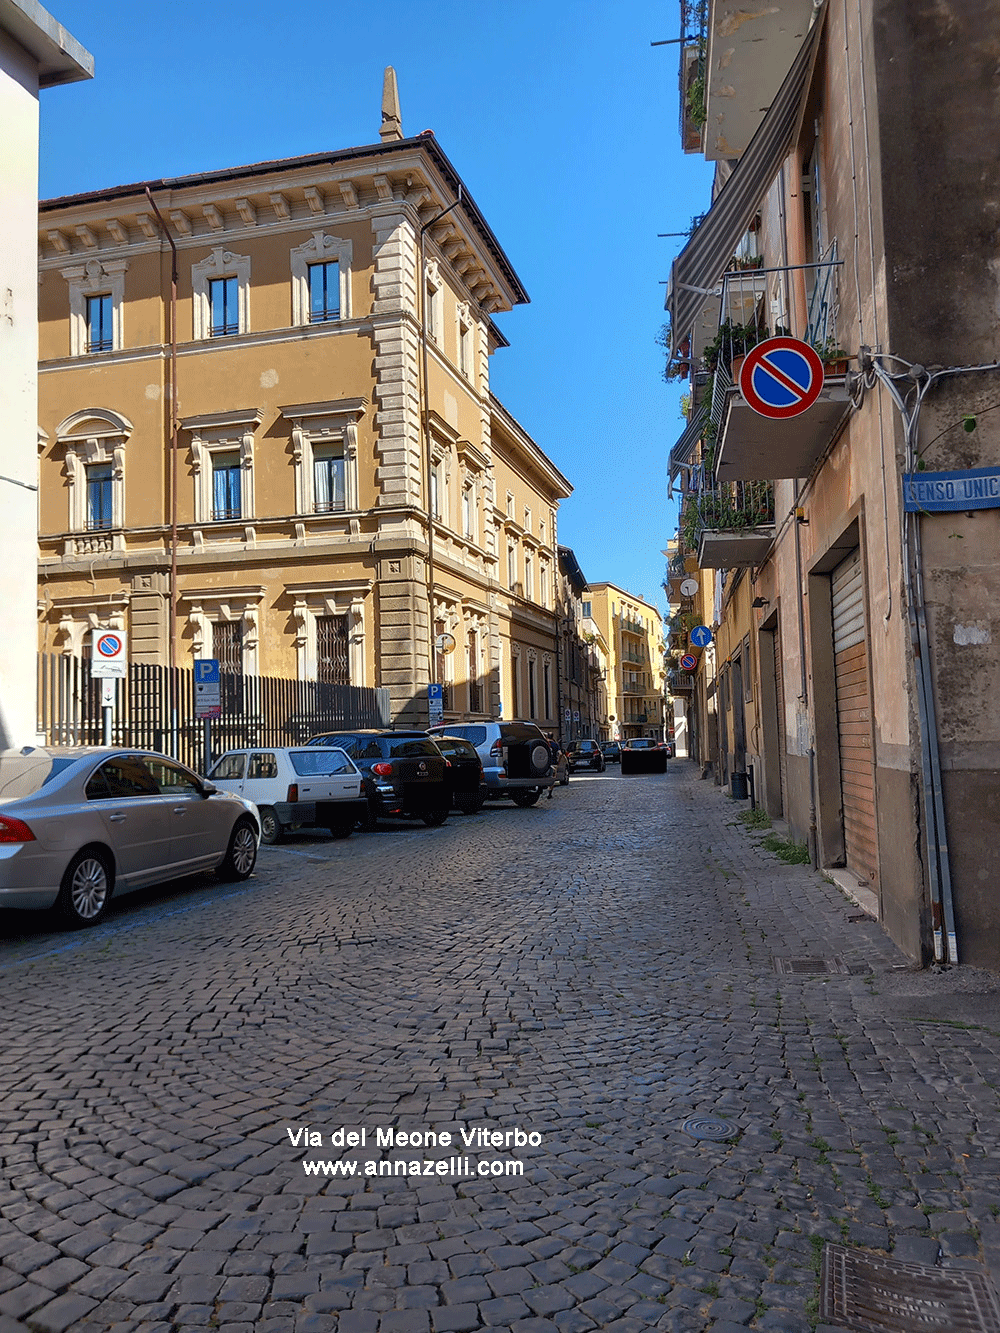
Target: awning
point(699, 266)
point(684, 448)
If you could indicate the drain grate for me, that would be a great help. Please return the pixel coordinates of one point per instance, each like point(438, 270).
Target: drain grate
point(871, 1294)
point(709, 1127)
point(802, 966)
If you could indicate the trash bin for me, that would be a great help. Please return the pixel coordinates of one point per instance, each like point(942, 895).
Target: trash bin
point(740, 783)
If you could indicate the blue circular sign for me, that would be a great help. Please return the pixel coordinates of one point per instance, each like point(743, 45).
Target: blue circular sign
point(781, 377)
point(701, 636)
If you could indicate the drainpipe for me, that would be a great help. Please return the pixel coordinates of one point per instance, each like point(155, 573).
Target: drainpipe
point(422, 288)
point(173, 427)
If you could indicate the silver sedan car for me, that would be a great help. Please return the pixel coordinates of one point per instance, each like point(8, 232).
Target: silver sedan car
point(79, 824)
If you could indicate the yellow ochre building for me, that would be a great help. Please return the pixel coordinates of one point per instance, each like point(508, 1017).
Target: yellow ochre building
point(346, 497)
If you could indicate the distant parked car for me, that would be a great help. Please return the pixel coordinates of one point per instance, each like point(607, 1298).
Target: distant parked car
point(403, 773)
point(516, 757)
point(585, 754)
point(80, 824)
point(292, 786)
point(464, 775)
point(612, 752)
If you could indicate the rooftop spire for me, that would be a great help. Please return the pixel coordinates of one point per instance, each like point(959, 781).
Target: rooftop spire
point(392, 121)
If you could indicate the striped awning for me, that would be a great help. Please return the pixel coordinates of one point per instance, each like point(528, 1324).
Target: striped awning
point(699, 266)
point(684, 448)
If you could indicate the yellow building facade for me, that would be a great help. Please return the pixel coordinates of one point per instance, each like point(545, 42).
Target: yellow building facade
point(295, 464)
point(632, 630)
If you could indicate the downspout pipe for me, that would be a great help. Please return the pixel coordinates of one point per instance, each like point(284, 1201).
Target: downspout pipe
point(422, 288)
point(173, 426)
point(938, 867)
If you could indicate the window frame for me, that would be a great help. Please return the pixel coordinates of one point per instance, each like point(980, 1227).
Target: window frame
point(220, 264)
point(321, 248)
point(95, 279)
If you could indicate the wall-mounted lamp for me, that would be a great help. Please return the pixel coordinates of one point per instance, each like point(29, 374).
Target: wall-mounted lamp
point(759, 601)
point(800, 517)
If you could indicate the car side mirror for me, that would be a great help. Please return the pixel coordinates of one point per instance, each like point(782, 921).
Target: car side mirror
point(209, 789)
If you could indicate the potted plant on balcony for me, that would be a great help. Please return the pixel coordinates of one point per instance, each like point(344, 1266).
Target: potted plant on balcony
point(835, 359)
point(731, 343)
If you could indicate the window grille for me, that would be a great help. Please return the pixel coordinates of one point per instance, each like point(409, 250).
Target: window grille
point(332, 656)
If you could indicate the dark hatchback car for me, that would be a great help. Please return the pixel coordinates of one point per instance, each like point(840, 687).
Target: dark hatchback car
point(403, 773)
point(464, 775)
point(585, 754)
point(612, 752)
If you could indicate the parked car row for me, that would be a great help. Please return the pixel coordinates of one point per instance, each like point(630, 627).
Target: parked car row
point(78, 825)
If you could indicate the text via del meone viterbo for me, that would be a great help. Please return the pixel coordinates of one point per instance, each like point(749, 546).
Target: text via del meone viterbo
point(464, 1147)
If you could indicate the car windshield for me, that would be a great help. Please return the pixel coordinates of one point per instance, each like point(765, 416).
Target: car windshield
point(25, 774)
point(315, 763)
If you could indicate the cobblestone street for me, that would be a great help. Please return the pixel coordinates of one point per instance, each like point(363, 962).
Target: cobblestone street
point(598, 971)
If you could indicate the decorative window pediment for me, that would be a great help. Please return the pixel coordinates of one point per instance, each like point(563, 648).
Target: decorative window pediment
point(312, 606)
point(218, 437)
point(95, 279)
point(221, 263)
point(321, 248)
point(231, 605)
point(94, 441)
point(325, 454)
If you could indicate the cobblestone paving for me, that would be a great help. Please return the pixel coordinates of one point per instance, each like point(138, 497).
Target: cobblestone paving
point(597, 971)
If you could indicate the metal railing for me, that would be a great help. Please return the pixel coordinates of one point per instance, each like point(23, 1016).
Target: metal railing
point(155, 709)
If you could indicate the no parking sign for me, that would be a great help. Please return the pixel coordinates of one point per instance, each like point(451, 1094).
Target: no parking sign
point(781, 377)
point(108, 657)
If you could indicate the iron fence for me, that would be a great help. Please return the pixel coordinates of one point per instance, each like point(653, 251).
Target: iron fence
point(154, 709)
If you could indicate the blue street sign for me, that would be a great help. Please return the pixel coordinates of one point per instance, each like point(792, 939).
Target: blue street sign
point(701, 636)
point(435, 691)
point(941, 492)
point(206, 671)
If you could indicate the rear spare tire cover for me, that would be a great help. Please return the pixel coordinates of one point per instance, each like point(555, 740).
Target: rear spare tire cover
point(540, 758)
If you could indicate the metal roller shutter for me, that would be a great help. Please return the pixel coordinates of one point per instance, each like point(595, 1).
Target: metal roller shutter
point(854, 719)
point(779, 700)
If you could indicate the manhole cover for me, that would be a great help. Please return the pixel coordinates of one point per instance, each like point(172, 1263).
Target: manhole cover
point(874, 1295)
point(709, 1127)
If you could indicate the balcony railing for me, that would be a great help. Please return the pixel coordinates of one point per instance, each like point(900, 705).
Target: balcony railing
point(731, 526)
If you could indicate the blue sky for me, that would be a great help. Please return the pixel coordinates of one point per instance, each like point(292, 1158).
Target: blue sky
point(562, 121)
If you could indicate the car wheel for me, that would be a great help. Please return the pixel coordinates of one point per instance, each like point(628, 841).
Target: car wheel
point(85, 891)
point(271, 830)
point(433, 818)
point(241, 854)
point(526, 798)
point(342, 829)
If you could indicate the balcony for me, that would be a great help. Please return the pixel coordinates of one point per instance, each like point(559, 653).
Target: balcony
point(749, 54)
point(732, 527)
point(680, 682)
point(754, 448)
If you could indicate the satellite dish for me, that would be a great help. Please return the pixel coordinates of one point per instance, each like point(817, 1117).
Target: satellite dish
point(446, 643)
point(689, 587)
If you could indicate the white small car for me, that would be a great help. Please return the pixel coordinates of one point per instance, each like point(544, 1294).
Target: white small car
point(295, 785)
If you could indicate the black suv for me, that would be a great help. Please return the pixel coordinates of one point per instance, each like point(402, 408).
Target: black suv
point(404, 773)
point(585, 754)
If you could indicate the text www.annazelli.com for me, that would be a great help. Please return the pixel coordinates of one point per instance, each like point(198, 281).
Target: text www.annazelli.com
point(451, 1167)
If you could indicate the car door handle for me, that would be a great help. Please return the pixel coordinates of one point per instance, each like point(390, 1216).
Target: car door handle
point(116, 819)
point(180, 810)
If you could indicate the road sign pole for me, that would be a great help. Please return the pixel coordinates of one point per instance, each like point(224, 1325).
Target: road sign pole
point(208, 744)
